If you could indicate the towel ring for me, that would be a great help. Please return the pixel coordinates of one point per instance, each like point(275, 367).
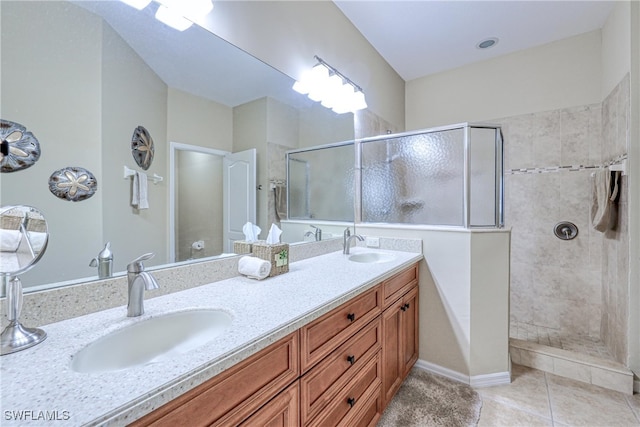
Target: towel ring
point(565, 230)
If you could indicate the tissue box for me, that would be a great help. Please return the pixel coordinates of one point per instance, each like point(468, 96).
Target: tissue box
point(276, 254)
point(241, 247)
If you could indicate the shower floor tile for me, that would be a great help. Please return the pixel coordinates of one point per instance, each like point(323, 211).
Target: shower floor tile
point(558, 339)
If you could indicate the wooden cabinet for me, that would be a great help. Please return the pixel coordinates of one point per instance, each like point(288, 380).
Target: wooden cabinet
point(235, 394)
point(320, 386)
point(339, 370)
point(325, 334)
point(399, 341)
point(281, 411)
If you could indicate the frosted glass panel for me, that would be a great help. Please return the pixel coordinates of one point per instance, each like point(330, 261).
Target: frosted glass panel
point(321, 183)
point(415, 179)
point(482, 185)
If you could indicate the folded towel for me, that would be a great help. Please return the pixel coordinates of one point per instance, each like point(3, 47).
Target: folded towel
point(139, 191)
point(281, 201)
point(254, 268)
point(37, 240)
point(9, 240)
point(605, 192)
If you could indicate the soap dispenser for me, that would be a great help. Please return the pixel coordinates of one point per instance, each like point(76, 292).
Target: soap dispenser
point(104, 262)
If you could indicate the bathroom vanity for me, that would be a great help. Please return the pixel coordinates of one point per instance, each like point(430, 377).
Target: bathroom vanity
point(343, 367)
point(326, 344)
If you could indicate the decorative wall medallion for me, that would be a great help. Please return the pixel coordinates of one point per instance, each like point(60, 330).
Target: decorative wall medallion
point(19, 149)
point(73, 183)
point(142, 147)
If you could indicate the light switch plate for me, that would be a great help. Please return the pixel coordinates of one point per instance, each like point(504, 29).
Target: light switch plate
point(373, 242)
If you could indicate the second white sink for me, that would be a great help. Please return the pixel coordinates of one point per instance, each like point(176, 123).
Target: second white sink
point(151, 340)
point(371, 257)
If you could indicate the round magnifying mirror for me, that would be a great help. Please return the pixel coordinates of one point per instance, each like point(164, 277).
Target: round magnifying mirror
point(23, 239)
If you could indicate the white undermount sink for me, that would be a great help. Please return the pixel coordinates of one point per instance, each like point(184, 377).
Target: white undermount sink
point(371, 257)
point(151, 340)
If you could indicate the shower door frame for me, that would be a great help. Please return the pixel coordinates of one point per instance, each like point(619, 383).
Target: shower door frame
point(499, 175)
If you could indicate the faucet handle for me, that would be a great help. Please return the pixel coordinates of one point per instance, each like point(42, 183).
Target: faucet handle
point(136, 265)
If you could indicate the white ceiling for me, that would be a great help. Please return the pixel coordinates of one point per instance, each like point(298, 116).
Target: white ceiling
point(423, 37)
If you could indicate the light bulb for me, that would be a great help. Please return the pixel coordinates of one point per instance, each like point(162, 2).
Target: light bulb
point(346, 97)
point(359, 103)
point(332, 91)
point(318, 79)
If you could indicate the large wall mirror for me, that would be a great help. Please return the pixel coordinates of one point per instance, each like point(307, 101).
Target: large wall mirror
point(83, 75)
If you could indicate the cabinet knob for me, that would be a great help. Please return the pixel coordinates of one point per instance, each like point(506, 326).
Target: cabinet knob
point(403, 308)
point(351, 359)
point(351, 401)
point(407, 305)
point(351, 317)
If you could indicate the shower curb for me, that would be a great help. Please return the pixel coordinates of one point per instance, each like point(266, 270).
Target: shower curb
point(588, 369)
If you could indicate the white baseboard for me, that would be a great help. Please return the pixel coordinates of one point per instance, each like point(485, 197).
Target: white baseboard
point(487, 380)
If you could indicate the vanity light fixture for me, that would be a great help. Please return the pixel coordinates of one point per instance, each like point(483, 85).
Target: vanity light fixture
point(178, 14)
point(324, 84)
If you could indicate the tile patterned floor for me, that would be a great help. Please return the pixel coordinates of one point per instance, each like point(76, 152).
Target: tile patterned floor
point(537, 398)
point(555, 338)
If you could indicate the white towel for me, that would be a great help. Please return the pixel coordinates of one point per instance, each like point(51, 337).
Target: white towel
point(139, 191)
point(37, 240)
point(10, 240)
point(603, 210)
point(254, 268)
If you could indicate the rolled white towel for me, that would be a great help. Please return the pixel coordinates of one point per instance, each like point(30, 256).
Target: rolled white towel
point(254, 268)
point(10, 240)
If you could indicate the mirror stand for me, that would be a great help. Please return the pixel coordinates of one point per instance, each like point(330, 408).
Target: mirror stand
point(16, 337)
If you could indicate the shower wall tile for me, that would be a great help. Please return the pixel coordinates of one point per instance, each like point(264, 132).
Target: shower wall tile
point(615, 243)
point(579, 286)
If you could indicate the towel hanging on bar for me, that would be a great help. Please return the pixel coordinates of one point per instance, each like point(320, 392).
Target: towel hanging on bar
point(139, 198)
point(604, 213)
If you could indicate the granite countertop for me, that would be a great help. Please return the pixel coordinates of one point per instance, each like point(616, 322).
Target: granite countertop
point(38, 383)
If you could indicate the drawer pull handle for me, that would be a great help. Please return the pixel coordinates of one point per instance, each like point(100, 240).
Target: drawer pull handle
point(351, 317)
point(351, 401)
point(351, 359)
point(403, 308)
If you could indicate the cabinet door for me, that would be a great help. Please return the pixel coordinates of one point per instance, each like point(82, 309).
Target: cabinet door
point(399, 342)
point(391, 347)
point(409, 331)
point(281, 411)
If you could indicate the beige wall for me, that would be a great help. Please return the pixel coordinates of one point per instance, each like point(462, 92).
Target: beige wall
point(464, 298)
point(287, 34)
point(198, 121)
point(132, 95)
point(616, 47)
point(556, 75)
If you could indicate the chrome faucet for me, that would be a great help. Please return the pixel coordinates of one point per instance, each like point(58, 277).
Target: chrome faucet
point(138, 281)
point(347, 242)
point(317, 235)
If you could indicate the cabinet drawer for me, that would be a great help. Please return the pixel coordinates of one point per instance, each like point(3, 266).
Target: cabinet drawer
point(396, 286)
point(325, 334)
point(281, 411)
point(369, 413)
point(353, 397)
point(232, 396)
point(320, 385)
